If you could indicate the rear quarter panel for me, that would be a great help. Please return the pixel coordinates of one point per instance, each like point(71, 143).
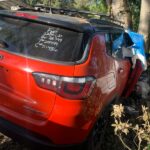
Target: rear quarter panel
point(102, 67)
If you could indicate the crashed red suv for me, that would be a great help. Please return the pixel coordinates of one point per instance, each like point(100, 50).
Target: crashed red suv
point(57, 75)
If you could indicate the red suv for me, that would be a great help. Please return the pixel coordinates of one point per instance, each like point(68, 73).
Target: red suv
point(57, 75)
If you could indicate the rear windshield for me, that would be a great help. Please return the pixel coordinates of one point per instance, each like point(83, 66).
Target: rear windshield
point(39, 40)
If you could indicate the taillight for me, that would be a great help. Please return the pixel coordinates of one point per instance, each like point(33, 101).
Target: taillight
point(68, 87)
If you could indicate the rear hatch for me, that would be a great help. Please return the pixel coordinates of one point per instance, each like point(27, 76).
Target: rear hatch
point(28, 47)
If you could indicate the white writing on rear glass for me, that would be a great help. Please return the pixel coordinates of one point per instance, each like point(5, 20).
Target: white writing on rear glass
point(50, 40)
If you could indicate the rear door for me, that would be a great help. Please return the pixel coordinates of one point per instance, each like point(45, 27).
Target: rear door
point(114, 42)
point(27, 47)
point(122, 64)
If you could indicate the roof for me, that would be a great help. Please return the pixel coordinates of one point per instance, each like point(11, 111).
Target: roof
point(74, 23)
point(6, 4)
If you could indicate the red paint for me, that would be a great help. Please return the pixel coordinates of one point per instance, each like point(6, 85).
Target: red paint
point(133, 79)
point(62, 120)
point(26, 15)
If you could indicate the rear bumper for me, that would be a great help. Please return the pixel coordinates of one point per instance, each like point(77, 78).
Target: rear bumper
point(30, 138)
point(66, 125)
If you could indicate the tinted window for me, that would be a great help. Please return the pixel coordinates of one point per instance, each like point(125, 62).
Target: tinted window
point(108, 43)
point(39, 40)
point(114, 44)
point(117, 41)
point(127, 40)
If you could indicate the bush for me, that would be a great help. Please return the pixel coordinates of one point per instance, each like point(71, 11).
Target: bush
point(139, 128)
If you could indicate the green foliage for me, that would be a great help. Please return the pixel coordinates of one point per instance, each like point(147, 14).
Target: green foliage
point(135, 9)
point(55, 3)
point(30, 2)
point(98, 6)
point(149, 147)
point(62, 3)
point(84, 4)
point(91, 5)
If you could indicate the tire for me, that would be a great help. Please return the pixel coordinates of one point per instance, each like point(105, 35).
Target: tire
point(96, 138)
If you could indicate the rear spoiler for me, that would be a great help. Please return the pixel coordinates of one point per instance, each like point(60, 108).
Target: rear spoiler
point(39, 18)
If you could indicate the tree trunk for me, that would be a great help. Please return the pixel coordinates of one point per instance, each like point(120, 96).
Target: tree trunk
point(119, 10)
point(144, 25)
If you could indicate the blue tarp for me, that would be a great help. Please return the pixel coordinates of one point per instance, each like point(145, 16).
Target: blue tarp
point(136, 43)
point(136, 38)
point(138, 47)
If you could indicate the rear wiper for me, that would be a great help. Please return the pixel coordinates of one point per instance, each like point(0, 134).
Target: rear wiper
point(3, 44)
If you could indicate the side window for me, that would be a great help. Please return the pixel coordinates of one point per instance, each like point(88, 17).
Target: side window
point(127, 40)
point(108, 43)
point(114, 42)
point(117, 42)
point(118, 45)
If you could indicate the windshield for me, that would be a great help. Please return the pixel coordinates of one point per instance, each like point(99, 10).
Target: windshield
point(39, 40)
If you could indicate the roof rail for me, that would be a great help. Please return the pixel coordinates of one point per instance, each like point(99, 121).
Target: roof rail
point(72, 12)
point(78, 13)
point(41, 7)
point(113, 20)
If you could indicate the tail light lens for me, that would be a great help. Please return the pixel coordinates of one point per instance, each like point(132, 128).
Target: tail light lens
point(68, 87)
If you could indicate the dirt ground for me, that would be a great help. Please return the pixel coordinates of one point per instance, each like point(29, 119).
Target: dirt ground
point(8, 144)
